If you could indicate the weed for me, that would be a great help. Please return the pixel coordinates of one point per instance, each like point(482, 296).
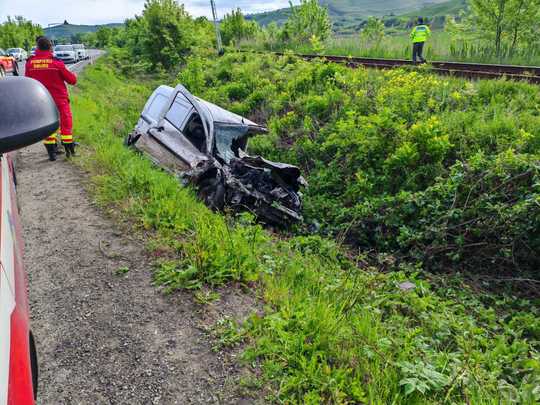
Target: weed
point(331, 333)
point(122, 270)
point(205, 297)
point(227, 333)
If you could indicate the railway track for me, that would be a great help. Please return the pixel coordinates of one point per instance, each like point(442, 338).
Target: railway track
point(529, 74)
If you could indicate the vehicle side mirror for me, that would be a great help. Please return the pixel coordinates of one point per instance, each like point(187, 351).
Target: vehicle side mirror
point(27, 113)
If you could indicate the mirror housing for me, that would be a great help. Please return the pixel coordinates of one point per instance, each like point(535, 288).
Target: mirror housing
point(28, 113)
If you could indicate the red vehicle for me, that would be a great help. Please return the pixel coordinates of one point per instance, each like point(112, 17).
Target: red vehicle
point(28, 116)
point(8, 64)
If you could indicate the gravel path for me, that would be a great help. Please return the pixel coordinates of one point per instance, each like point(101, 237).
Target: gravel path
point(104, 337)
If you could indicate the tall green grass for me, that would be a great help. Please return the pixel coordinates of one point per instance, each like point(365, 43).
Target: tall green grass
point(440, 47)
point(333, 330)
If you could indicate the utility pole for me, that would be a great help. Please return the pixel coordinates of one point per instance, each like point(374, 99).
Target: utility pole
point(216, 24)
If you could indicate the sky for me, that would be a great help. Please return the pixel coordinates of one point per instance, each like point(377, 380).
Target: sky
point(45, 12)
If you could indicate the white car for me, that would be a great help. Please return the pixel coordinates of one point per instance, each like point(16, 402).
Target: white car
point(66, 53)
point(28, 116)
point(18, 53)
point(81, 51)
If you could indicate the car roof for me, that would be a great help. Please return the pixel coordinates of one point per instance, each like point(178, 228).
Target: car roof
point(218, 114)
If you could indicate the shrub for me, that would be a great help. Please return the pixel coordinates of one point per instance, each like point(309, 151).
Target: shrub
point(443, 172)
point(330, 332)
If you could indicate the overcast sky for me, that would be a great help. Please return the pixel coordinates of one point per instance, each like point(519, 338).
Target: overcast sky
point(47, 12)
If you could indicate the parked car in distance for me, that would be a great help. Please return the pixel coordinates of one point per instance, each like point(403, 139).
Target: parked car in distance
point(18, 53)
point(66, 53)
point(33, 51)
point(28, 116)
point(81, 51)
point(8, 64)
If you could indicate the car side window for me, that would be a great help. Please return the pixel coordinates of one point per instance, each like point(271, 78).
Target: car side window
point(156, 106)
point(179, 112)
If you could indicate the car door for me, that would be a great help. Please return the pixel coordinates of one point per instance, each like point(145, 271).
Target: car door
point(14, 319)
point(170, 132)
point(7, 305)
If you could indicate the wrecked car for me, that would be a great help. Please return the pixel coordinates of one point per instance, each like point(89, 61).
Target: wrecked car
point(205, 146)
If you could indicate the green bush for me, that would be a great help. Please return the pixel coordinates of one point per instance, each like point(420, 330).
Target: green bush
point(443, 172)
point(330, 332)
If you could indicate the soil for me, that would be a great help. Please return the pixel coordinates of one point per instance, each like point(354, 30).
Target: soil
point(105, 336)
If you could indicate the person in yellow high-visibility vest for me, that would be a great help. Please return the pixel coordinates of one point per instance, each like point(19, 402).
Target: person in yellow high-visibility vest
point(419, 35)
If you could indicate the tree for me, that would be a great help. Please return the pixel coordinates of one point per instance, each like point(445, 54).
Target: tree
point(523, 17)
point(18, 32)
point(373, 31)
point(103, 37)
point(234, 27)
point(307, 21)
point(168, 32)
point(497, 19)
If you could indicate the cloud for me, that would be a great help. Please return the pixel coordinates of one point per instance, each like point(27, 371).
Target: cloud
point(104, 11)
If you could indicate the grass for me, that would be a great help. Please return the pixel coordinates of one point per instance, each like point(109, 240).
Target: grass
point(441, 47)
point(439, 172)
point(331, 332)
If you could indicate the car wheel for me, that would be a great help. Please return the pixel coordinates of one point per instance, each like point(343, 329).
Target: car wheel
point(15, 69)
point(34, 364)
point(2, 72)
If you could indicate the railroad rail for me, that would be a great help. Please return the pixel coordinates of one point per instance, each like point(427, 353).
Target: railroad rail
point(529, 74)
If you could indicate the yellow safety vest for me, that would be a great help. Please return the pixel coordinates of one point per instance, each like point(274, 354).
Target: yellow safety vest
point(420, 33)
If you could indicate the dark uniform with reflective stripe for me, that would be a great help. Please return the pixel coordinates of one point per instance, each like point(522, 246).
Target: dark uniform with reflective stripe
point(419, 36)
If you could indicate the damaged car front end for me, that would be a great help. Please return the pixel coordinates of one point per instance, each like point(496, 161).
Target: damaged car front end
point(205, 146)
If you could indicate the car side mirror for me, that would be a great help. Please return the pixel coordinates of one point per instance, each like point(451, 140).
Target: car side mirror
point(28, 113)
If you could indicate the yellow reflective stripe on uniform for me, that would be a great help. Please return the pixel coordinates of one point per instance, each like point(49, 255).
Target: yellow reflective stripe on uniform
point(50, 140)
point(67, 138)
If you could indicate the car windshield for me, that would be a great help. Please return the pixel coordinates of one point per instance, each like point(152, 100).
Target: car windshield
point(13, 50)
point(63, 48)
point(78, 46)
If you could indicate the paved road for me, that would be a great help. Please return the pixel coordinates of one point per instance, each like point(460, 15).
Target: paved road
point(76, 67)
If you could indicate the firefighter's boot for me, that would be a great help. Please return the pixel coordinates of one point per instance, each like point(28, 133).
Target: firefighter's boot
point(70, 149)
point(67, 147)
point(51, 152)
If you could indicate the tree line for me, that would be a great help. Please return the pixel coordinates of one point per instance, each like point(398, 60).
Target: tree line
point(17, 32)
point(165, 32)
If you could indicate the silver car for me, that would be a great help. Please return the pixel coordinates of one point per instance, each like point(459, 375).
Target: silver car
point(66, 53)
point(18, 53)
point(205, 145)
point(81, 51)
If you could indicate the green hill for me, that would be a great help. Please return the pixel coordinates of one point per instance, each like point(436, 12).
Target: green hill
point(379, 8)
point(449, 8)
point(350, 15)
point(68, 31)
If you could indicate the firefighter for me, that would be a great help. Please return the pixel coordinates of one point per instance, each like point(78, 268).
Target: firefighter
point(419, 36)
point(54, 75)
